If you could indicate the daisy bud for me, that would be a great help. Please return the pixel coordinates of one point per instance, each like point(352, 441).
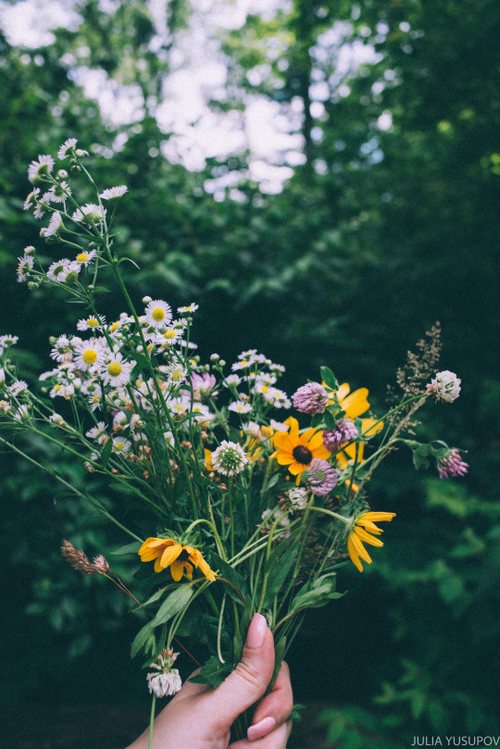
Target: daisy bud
point(62, 174)
point(81, 154)
point(29, 250)
point(214, 357)
point(222, 363)
point(147, 299)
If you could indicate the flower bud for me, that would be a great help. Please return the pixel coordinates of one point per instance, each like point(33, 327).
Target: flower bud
point(62, 174)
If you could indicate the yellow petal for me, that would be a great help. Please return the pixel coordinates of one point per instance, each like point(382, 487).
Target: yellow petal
point(284, 459)
point(297, 468)
point(356, 403)
point(371, 427)
point(371, 527)
point(343, 391)
point(170, 555)
point(358, 545)
point(196, 557)
point(177, 570)
point(364, 536)
point(353, 554)
point(378, 517)
point(158, 567)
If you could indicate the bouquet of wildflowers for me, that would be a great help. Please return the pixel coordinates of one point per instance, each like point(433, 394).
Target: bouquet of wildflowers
point(243, 499)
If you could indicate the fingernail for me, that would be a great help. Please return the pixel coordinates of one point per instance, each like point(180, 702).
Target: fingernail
point(256, 632)
point(261, 728)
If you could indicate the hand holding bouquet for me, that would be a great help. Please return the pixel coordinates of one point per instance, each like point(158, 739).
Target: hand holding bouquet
point(236, 498)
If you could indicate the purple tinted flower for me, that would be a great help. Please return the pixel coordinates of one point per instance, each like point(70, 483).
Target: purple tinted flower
point(345, 431)
point(452, 465)
point(203, 384)
point(321, 477)
point(311, 398)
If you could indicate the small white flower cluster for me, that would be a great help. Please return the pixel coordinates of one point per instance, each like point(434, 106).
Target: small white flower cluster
point(166, 681)
point(229, 458)
point(259, 375)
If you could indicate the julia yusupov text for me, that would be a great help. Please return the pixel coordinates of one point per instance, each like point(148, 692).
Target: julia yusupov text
point(456, 741)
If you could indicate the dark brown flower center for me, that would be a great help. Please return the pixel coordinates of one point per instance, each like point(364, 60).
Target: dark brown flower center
point(302, 454)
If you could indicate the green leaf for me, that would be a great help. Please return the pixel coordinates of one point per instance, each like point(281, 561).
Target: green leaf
point(131, 548)
point(213, 672)
point(317, 593)
point(174, 603)
point(278, 566)
point(329, 378)
point(106, 453)
point(144, 640)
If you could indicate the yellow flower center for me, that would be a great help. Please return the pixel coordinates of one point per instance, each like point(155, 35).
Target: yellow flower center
point(114, 368)
point(264, 389)
point(114, 327)
point(57, 388)
point(89, 356)
point(82, 257)
point(158, 314)
point(169, 334)
point(119, 445)
point(92, 322)
point(176, 375)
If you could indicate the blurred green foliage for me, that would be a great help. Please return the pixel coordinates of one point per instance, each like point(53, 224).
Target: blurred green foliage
point(384, 229)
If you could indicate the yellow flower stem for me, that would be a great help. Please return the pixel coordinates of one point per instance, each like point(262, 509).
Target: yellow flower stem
point(218, 541)
point(95, 503)
point(346, 521)
point(219, 629)
point(151, 721)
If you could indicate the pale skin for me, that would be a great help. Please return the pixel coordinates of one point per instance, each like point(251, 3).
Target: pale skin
point(201, 718)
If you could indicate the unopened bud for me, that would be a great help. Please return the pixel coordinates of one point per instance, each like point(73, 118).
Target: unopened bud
point(62, 174)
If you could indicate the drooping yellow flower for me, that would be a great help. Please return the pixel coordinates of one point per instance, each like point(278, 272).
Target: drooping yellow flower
point(297, 450)
point(364, 527)
point(180, 558)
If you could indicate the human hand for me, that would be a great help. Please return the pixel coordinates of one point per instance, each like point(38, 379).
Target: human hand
point(201, 718)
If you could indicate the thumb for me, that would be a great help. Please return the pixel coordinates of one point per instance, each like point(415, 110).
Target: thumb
point(250, 678)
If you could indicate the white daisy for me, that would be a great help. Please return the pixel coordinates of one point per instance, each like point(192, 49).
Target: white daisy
point(201, 412)
point(6, 341)
point(17, 387)
point(116, 371)
point(232, 380)
point(40, 168)
point(93, 322)
point(90, 212)
point(278, 426)
point(67, 147)
point(117, 325)
point(176, 373)
point(85, 258)
point(24, 267)
point(113, 193)
point(61, 270)
point(120, 421)
point(89, 354)
point(53, 227)
point(57, 193)
point(31, 199)
point(188, 309)
point(166, 338)
point(62, 391)
point(240, 407)
point(179, 406)
point(22, 414)
point(120, 445)
point(62, 349)
point(158, 313)
point(96, 431)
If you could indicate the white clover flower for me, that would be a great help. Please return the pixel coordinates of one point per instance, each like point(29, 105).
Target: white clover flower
point(40, 168)
point(445, 386)
point(24, 267)
point(4, 406)
point(67, 147)
point(116, 372)
point(120, 445)
point(53, 227)
point(61, 270)
point(113, 193)
point(90, 212)
point(240, 407)
point(298, 498)
point(93, 322)
point(158, 313)
point(89, 354)
point(85, 258)
point(229, 458)
point(164, 684)
point(188, 308)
